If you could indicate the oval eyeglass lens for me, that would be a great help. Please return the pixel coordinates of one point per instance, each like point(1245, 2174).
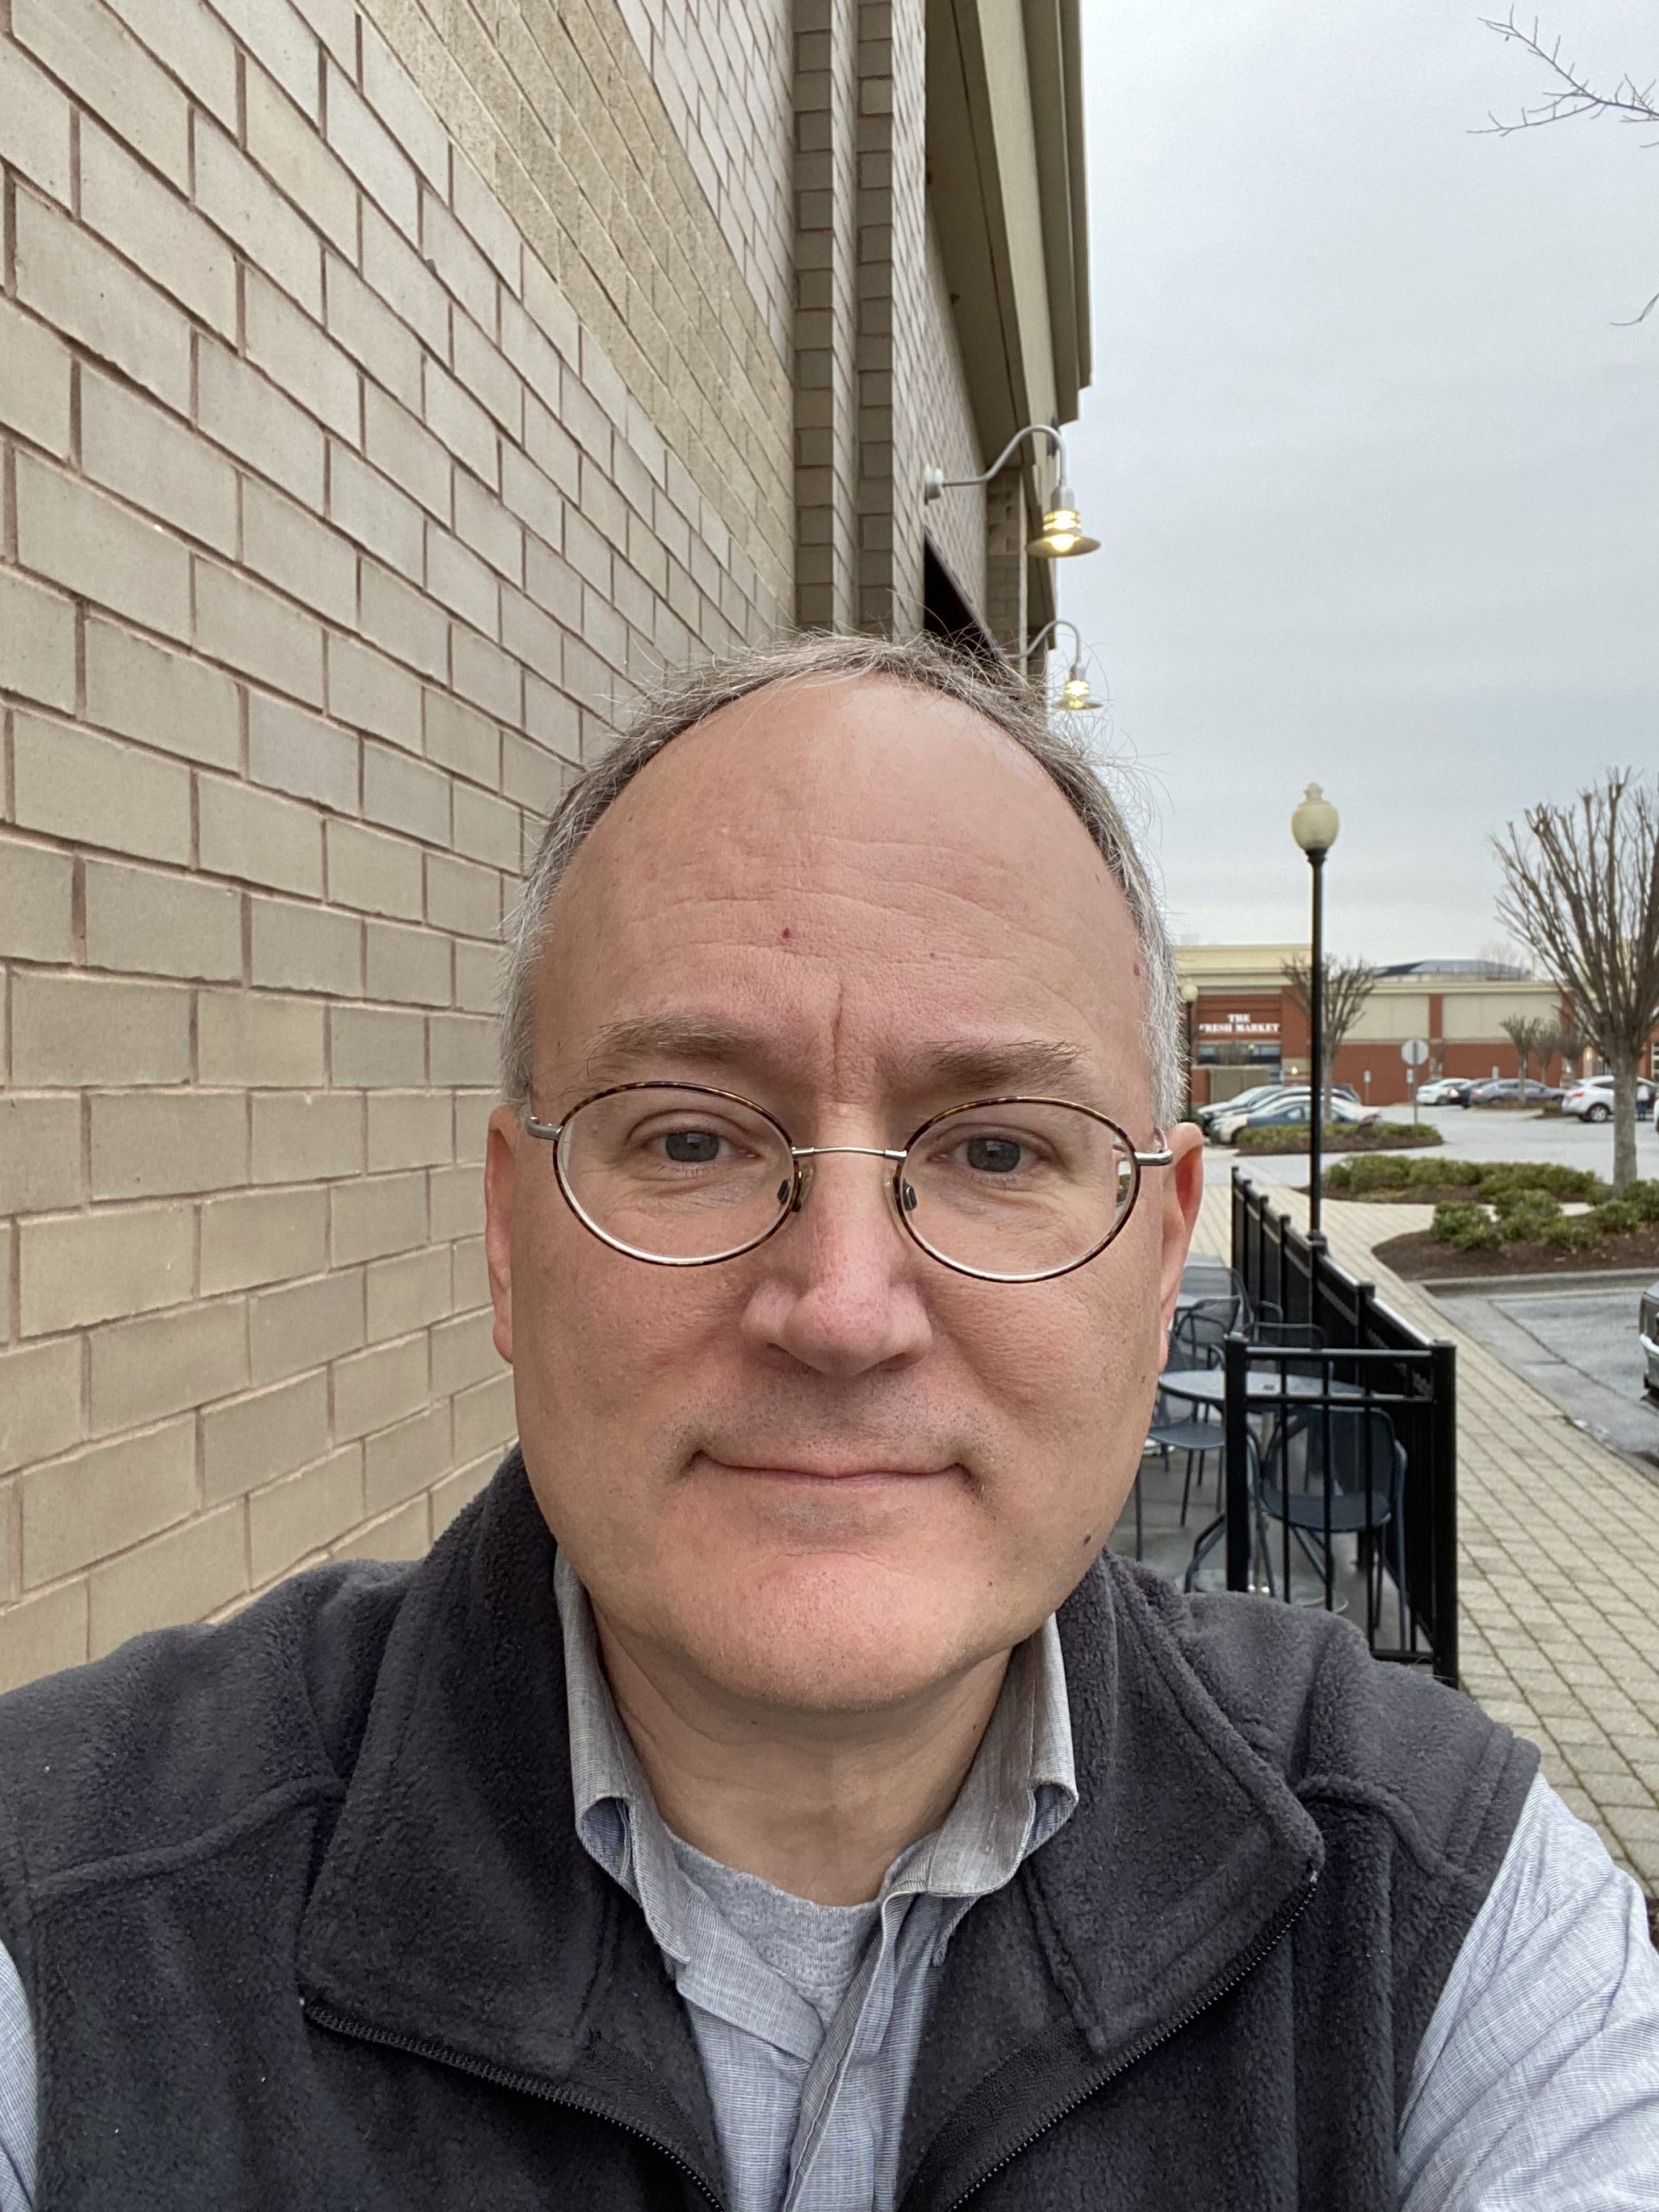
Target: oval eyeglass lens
point(675, 1174)
point(1018, 1189)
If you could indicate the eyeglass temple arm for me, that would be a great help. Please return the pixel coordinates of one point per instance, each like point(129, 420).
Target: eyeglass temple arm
point(1162, 1158)
point(552, 1130)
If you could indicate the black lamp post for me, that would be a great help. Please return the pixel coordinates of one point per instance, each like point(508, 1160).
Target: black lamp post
point(1190, 1001)
point(1314, 825)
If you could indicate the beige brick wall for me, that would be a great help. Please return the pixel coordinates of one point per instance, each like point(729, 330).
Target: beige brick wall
point(956, 523)
point(381, 401)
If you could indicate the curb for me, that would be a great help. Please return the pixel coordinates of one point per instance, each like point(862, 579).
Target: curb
point(1496, 1286)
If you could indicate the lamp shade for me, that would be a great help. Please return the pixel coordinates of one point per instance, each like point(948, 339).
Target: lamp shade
point(1075, 698)
point(1062, 536)
point(1315, 823)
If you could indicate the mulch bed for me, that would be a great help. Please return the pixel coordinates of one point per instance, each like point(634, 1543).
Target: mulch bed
point(1420, 1254)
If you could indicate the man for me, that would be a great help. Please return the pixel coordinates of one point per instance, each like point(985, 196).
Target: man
point(765, 1795)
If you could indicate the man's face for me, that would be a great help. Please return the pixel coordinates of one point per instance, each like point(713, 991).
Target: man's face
point(831, 1474)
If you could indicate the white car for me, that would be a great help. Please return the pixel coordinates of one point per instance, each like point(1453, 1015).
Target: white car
point(1592, 1099)
point(1290, 1110)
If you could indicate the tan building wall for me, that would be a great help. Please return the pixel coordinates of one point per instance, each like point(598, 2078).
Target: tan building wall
point(384, 399)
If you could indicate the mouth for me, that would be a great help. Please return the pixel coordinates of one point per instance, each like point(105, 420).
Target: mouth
point(842, 1476)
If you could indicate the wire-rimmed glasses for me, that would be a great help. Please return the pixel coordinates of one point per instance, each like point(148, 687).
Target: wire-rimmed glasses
point(1010, 1190)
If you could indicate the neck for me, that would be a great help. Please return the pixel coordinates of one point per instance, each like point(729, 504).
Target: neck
point(818, 1804)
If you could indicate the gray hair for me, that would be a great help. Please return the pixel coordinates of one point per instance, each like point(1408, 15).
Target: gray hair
point(996, 692)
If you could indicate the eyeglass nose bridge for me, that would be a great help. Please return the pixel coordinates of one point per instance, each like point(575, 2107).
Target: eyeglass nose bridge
point(804, 1155)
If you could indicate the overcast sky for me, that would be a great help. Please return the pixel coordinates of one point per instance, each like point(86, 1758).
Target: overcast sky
point(1375, 477)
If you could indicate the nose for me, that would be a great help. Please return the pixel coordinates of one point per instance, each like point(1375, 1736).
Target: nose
point(839, 1289)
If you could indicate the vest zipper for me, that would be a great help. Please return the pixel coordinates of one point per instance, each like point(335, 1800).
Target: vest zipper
point(1133, 2058)
point(500, 2077)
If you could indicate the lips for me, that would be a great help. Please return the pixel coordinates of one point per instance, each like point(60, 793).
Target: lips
point(846, 1472)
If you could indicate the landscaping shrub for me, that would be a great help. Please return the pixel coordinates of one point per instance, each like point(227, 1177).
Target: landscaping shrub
point(1645, 1196)
point(1569, 1233)
point(1444, 1174)
point(1617, 1216)
point(1497, 1176)
point(1379, 1171)
point(1525, 1218)
point(1380, 1137)
point(1465, 1228)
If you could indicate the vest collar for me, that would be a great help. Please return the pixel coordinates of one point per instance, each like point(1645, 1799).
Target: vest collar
point(455, 1908)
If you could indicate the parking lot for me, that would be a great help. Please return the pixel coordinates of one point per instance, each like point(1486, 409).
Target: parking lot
point(1481, 1133)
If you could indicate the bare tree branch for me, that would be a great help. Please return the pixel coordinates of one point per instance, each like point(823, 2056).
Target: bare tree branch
point(1574, 95)
point(1580, 886)
point(1529, 1033)
point(1348, 984)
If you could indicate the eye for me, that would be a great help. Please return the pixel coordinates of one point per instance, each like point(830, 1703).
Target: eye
point(692, 1147)
point(993, 1156)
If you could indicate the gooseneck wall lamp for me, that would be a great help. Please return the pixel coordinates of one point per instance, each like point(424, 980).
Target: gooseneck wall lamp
point(1061, 536)
point(1075, 697)
point(1314, 825)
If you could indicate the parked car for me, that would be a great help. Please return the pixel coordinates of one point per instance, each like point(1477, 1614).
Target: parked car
point(1294, 1111)
point(1447, 1090)
point(1648, 1327)
point(1592, 1099)
point(1505, 1091)
point(1258, 1094)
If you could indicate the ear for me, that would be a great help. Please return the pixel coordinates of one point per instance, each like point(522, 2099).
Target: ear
point(500, 1182)
point(1183, 1183)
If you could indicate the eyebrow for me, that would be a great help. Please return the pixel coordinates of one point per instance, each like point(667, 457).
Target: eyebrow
point(972, 1067)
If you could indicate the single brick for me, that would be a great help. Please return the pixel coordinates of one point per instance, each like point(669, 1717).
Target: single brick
point(534, 775)
point(247, 833)
point(243, 410)
point(465, 584)
point(404, 620)
point(145, 690)
point(405, 794)
point(40, 1154)
point(462, 897)
point(368, 507)
point(303, 1136)
point(137, 920)
point(409, 1129)
point(477, 975)
point(147, 1144)
point(39, 1636)
point(96, 1501)
point(411, 455)
point(284, 41)
point(380, 874)
point(369, 331)
point(304, 1513)
point(529, 637)
point(411, 966)
point(292, 752)
point(462, 1048)
point(303, 1324)
point(182, 1576)
point(37, 642)
point(372, 693)
point(156, 462)
point(103, 65)
point(463, 1352)
point(74, 535)
point(37, 126)
point(152, 226)
point(489, 678)
point(254, 1039)
point(395, 98)
point(37, 912)
point(232, 192)
point(307, 560)
point(371, 153)
point(259, 1237)
point(469, 1275)
point(71, 1031)
point(40, 1401)
point(458, 737)
point(83, 291)
point(249, 627)
point(407, 1292)
point(375, 1216)
point(306, 948)
point(288, 147)
point(166, 1363)
point(484, 1417)
point(34, 372)
point(100, 790)
point(375, 1387)
point(403, 1534)
point(297, 356)
point(488, 829)
point(456, 418)
point(372, 1047)
point(255, 1439)
point(456, 1198)
point(473, 1109)
point(394, 273)
point(405, 1458)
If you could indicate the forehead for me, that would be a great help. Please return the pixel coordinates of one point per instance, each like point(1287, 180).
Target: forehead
point(859, 868)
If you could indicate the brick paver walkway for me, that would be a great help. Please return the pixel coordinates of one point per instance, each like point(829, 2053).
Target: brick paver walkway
point(1559, 1556)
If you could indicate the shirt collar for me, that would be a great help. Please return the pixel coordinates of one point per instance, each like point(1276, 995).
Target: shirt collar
point(1019, 1791)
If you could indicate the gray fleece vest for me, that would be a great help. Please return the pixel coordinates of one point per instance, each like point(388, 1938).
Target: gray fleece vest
point(303, 1920)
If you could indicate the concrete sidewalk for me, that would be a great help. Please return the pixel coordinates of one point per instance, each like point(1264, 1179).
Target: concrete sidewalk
point(1558, 1556)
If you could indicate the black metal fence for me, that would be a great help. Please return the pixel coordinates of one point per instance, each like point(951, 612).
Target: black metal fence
point(1307, 1464)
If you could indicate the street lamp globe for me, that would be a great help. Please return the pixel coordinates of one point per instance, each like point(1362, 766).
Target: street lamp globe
point(1315, 823)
